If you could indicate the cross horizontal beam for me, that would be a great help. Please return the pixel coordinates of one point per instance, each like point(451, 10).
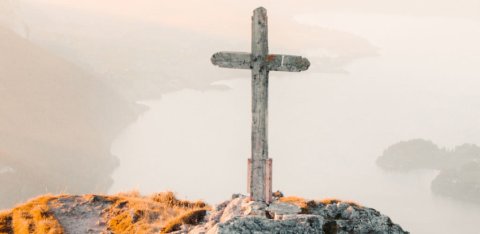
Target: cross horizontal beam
point(260, 62)
point(275, 62)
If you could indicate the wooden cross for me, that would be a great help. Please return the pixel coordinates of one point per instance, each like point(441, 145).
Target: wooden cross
point(260, 62)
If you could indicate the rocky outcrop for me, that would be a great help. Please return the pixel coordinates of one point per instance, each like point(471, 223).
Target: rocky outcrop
point(164, 213)
point(240, 215)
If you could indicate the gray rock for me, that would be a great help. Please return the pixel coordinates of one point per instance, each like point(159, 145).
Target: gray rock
point(281, 208)
point(252, 224)
point(240, 215)
point(255, 209)
point(233, 209)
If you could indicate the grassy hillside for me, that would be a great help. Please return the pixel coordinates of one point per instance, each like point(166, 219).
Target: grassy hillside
point(121, 213)
point(163, 213)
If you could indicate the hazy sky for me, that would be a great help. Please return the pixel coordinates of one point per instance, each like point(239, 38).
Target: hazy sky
point(381, 72)
point(220, 16)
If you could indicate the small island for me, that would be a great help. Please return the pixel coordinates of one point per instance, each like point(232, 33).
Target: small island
point(459, 167)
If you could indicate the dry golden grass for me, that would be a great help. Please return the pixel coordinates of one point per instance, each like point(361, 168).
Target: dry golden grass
point(162, 212)
point(192, 217)
point(6, 222)
point(353, 203)
point(327, 201)
point(129, 213)
point(298, 201)
point(32, 217)
point(304, 205)
point(307, 206)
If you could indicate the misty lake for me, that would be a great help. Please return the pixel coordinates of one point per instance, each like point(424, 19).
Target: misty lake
point(322, 144)
point(325, 130)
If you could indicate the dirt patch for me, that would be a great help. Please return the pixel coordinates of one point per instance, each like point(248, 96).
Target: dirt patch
point(81, 214)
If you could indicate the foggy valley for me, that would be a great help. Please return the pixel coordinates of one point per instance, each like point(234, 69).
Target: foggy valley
point(110, 97)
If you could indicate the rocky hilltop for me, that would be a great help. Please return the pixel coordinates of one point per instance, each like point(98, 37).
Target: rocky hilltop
point(164, 213)
point(293, 215)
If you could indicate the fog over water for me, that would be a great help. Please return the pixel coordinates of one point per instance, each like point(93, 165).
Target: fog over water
point(380, 73)
point(326, 130)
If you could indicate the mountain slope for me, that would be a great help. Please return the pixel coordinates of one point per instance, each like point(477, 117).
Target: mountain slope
point(162, 212)
point(52, 116)
point(121, 213)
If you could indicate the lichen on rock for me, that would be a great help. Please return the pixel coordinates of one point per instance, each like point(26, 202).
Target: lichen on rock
point(235, 216)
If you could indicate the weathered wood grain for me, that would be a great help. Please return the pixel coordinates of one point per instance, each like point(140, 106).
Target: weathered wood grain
point(290, 63)
point(259, 180)
point(275, 62)
point(239, 60)
point(259, 103)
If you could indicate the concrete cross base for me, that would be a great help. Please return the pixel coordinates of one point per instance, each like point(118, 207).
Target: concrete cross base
point(267, 183)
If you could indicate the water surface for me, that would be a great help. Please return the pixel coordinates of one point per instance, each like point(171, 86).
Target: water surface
point(325, 130)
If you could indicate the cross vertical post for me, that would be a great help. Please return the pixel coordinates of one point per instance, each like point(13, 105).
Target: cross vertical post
point(259, 105)
point(260, 62)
